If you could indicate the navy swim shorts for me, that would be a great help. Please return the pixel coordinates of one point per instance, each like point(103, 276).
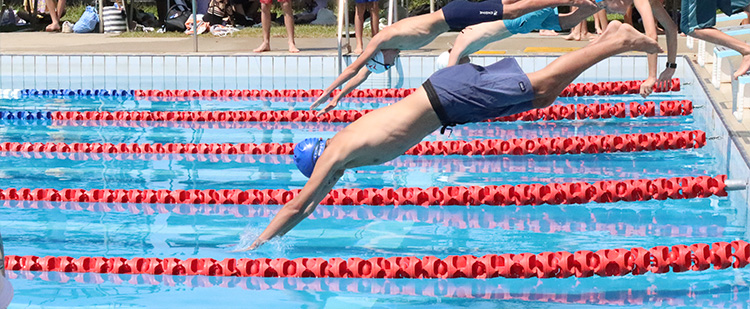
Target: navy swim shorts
point(701, 14)
point(471, 93)
point(460, 14)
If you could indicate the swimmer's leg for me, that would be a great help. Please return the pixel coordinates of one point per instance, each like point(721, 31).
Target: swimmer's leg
point(617, 38)
point(717, 37)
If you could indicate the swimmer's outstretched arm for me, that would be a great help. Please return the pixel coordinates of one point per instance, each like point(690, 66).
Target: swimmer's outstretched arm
point(518, 8)
point(372, 47)
point(353, 83)
point(650, 9)
point(570, 20)
point(474, 38)
point(327, 172)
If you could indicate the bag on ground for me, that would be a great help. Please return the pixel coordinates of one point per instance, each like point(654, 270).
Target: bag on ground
point(177, 15)
point(114, 19)
point(88, 21)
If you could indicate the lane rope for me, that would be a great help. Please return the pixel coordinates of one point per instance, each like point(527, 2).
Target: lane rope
point(552, 113)
point(575, 89)
point(607, 191)
point(604, 263)
point(634, 142)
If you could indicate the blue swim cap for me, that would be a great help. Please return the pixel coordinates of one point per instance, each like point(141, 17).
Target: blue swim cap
point(306, 154)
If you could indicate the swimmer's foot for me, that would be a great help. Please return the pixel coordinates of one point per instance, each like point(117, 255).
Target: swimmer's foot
point(358, 50)
point(611, 28)
point(744, 67)
point(53, 27)
point(548, 33)
point(264, 47)
point(573, 36)
point(293, 48)
point(632, 40)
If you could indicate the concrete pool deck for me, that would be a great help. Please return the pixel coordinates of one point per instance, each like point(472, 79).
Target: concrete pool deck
point(63, 43)
point(527, 44)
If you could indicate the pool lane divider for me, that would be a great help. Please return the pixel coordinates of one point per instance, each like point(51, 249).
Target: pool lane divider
point(593, 144)
point(561, 264)
point(552, 222)
point(576, 89)
point(552, 113)
point(606, 191)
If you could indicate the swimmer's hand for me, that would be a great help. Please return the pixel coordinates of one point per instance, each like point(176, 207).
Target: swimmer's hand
point(666, 75)
point(647, 87)
point(320, 100)
point(329, 107)
point(257, 243)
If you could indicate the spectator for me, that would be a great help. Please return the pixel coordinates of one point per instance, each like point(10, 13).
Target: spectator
point(600, 21)
point(580, 32)
point(628, 16)
point(265, 9)
point(161, 10)
point(56, 11)
point(547, 32)
point(234, 9)
point(359, 20)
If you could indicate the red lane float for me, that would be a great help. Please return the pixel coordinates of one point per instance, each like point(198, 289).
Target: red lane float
point(695, 296)
point(604, 263)
point(555, 112)
point(608, 191)
point(546, 129)
point(517, 146)
point(579, 89)
point(551, 223)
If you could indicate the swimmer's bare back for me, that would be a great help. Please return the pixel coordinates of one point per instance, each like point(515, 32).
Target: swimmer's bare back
point(386, 133)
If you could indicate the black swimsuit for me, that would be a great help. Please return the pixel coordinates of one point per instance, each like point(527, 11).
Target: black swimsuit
point(460, 14)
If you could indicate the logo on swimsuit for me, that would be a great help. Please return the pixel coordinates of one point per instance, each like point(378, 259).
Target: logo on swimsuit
point(493, 13)
point(522, 86)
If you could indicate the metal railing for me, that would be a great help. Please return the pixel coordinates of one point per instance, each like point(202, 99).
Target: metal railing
point(2, 257)
point(343, 22)
point(343, 27)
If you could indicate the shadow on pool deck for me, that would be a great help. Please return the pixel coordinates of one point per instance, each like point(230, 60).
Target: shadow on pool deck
point(63, 43)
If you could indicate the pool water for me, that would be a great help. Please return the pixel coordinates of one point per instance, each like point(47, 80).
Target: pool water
point(81, 229)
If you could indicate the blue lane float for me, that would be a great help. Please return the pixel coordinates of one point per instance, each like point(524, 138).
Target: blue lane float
point(76, 92)
point(25, 115)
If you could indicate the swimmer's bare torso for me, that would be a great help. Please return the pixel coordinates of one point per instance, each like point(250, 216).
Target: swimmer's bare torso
point(412, 33)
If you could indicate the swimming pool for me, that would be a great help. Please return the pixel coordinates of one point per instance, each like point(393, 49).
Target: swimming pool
point(150, 230)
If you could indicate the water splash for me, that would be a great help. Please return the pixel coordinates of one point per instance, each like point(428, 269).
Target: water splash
point(274, 247)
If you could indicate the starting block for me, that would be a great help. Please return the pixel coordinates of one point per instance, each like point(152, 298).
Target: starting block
point(705, 57)
point(722, 70)
point(720, 18)
point(742, 96)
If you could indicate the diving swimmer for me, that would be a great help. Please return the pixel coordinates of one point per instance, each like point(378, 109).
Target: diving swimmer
point(454, 95)
point(474, 38)
point(414, 32)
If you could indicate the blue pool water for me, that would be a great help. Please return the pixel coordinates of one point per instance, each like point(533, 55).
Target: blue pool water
point(80, 229)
